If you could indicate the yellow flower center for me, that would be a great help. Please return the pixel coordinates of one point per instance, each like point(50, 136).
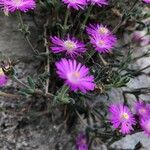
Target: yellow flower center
point(73, 77)
point(69, 45)
point(125, 116)
point(142, 110)
point(76, 74)
point(103, 30)
point(101, 42)
point(17, 1)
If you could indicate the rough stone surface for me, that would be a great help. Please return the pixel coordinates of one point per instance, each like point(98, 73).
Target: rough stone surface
point(12, 42)
point(130, 141)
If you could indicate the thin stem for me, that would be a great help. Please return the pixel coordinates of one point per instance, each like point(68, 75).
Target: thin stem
point(24, 28)
point(84, 123)
point(8, 95)
point(47, 51)
point(14, 78)
point(64, 91)
point(102, 59)
point(35, 91)
point(123, 17)
point(65, 21)
point(20, 19)
point(87, 16)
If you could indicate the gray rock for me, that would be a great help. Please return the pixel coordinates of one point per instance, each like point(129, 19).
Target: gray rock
point(130, 141)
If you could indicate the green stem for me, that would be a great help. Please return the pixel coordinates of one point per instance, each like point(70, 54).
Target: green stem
point(87, 16)
point(20, 19)
point(65, 22)
point(14, 78)
point(123, 17)
point(64, 90)
point(102, 59)
point(25, 32)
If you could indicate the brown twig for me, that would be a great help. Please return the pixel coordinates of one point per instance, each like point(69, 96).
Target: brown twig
point(8, 95)
point(47, 51)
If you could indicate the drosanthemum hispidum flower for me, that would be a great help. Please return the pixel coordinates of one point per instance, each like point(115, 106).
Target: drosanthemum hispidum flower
point(103, 44)
point(101, 37)
point(145, 124)
point(75, 74)
point(121, 118)
point(99, 29)
point(75, 4)
point(142, 109)
point(98, 2)
point(71, 46)
point(81, 142)
point(14, 5)
point(3, 78)
point(146, 1)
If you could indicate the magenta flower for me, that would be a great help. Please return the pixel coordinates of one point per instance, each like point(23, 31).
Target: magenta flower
point(71, 46)
point(98, 2)
point(14, 5)
point(103, 44)
point(122, 118)
point(81, 142)
point(145, 124)
point(75, 4)
point(146, 1)
point(75, 74)
point(3, 78)
point(101, 38)
point(142, 109)
point(97, 29)
point(141, 38)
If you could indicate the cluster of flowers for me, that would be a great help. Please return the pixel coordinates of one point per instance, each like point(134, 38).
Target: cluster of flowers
point(75, 74)
point(25, 5)
point(14, 5)
point(80, 4)
point(122, 118)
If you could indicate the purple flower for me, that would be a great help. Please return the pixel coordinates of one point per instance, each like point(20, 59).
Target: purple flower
point(97, 29)
point(98, 2)
point(75, 74)
point(141, 38)
point(101, 38)
point(75, 4)
point(145, 124)
point(142, 109)
point(81, 142)
point(14, 5)
point(103, 44)
point(122, 118)
point(71, 46)
point(146, 1)
point(3, 78)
